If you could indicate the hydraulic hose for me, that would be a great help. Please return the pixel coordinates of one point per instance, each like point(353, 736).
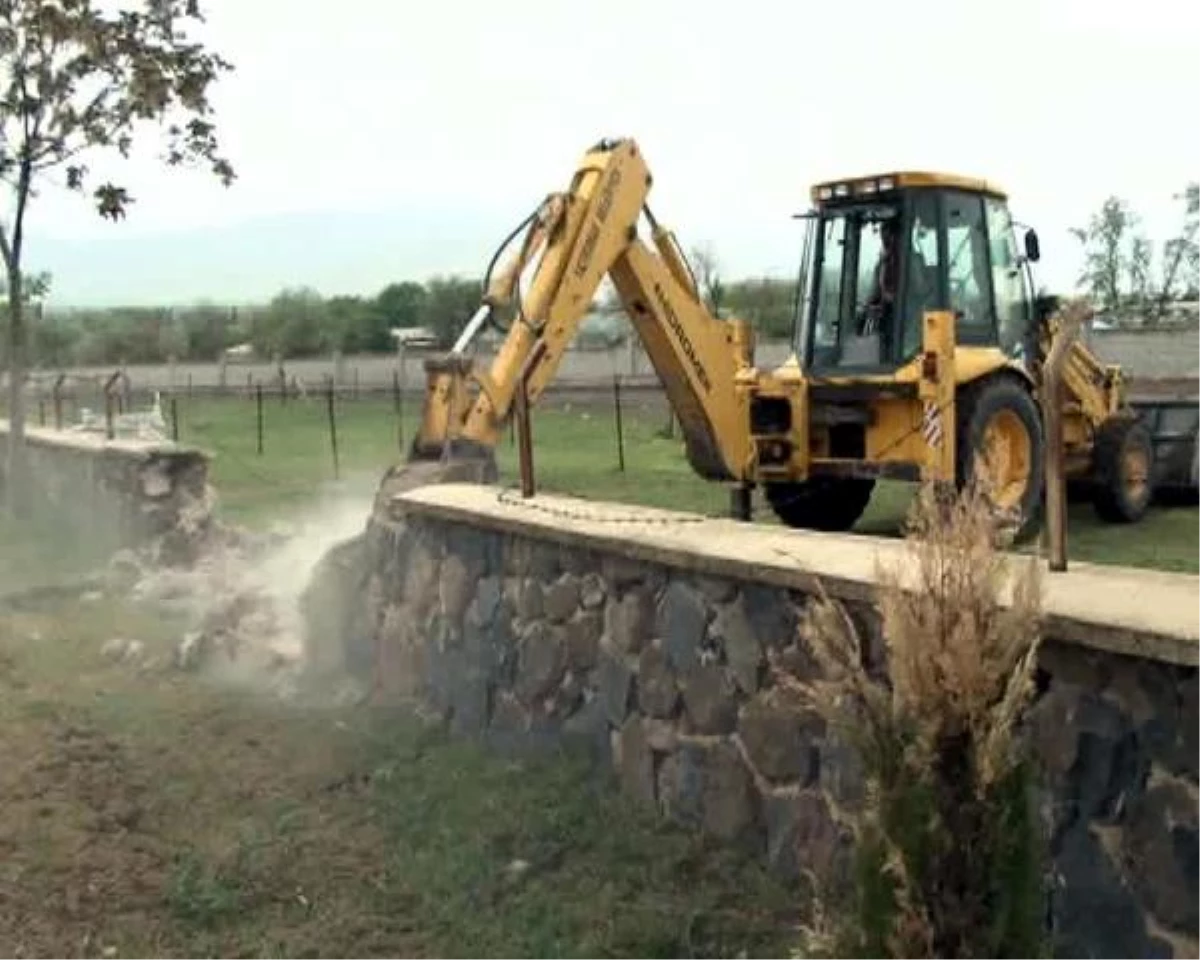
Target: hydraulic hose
point(487, 277)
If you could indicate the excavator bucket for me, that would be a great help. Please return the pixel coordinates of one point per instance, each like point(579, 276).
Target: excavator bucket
point(435, 454)
point(448, 397)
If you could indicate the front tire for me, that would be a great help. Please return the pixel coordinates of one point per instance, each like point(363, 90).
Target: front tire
point(1122, 461)
point(999, 422)
point(830, 504)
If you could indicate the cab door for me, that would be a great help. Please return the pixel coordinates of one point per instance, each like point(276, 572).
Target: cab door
point(1014, 299)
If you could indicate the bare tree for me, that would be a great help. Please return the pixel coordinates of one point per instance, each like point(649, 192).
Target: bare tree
point(1106, 256)
point(708, 276)
point(78, 78)
point(1141, 255)
point(1182, 252)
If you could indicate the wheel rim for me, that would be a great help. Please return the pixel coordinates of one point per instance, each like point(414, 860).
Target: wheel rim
point(1135, 472)
point(1007, 453)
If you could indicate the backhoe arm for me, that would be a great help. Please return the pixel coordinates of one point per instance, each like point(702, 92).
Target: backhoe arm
point(582, 235)
point(1093, 389)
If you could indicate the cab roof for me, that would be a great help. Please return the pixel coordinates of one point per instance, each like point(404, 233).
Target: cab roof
point(846, 188)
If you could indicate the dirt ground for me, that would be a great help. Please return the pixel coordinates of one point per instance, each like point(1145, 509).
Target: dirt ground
point(118, 781)
point(150, 811)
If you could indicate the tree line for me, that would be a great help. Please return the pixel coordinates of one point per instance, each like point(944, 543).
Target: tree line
point(300, 322)
point(1125, 275)
point(1128, 279)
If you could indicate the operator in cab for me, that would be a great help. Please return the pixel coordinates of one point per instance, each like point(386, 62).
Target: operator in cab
point(881, 305)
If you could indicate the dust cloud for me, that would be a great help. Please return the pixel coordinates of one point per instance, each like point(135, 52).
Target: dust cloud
point(238, 609)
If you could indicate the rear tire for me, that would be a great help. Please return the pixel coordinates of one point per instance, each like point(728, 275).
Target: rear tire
point(998, 418)
point(1122, 466)
point(830, 504)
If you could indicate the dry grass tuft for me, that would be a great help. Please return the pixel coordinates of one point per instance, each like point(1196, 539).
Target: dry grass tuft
point(946, 840)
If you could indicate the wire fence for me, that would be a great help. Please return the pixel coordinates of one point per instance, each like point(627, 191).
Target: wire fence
point(271, 440)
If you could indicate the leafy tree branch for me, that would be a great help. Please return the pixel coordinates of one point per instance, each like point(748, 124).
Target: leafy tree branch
point(79, 79)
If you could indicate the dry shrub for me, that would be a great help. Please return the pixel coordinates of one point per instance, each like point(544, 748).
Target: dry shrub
point(947, 845)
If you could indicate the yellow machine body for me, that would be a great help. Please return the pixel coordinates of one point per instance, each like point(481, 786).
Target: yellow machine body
point(741, 425)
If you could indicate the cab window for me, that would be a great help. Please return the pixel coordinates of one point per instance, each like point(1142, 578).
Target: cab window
point(1012, 306)
point(828, 283)
point(968, 272)
point(921, 293)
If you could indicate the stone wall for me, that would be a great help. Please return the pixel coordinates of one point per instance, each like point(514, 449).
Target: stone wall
point(651, 640)
point(122, 493)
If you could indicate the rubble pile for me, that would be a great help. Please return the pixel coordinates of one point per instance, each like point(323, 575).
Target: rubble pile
point(237, 604)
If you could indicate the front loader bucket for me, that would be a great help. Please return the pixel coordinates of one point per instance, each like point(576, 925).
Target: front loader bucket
point(1173, 427)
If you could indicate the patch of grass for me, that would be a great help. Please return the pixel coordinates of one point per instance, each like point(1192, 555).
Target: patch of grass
point(202, 895)
point(539, 858)
point(575, 452)
point(148, 812)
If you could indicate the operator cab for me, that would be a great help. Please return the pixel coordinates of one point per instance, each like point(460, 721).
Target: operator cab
point(882, 251)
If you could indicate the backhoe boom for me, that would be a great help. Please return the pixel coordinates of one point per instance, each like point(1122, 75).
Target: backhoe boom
point(583, 235)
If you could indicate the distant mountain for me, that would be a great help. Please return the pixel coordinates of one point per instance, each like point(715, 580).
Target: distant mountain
point(334, 252)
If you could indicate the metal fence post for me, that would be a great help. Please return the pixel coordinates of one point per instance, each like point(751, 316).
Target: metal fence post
point(109, 401)
point(258, 402)
point(620, 431)
point(1056, 484)
point(522, 419)
point(58, 401)
point(332, 426)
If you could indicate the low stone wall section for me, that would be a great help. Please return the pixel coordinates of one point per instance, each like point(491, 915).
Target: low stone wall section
point(120, 493)
point(651, 640)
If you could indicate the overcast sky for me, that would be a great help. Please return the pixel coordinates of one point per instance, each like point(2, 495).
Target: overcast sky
point(451, 119)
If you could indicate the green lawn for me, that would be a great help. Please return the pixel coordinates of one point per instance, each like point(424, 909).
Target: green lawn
point(575, 452)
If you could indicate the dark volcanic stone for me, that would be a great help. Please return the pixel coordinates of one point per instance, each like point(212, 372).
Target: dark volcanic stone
point(1160, 853)
point(682, 623)
point(770, 614)
point(801, 831)
point(710, 699)
point(636, 764)
point(707, 785)
point(484, 607)
point(528, 601)
point(455, 587)
point(1109, 768)
point(1095, 913)
point(1187, 755)
point(615, 682)
point(589, 728)
point(561, 598)
point(842, 772)
point(592, 591)
point(583, 639)
point(781, 739)
point(541, 662)
point(491, 649)
point(735, 635)
point(629, 620)
point(657, 692)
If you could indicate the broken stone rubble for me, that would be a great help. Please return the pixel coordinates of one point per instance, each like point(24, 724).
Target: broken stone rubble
point(236, 600)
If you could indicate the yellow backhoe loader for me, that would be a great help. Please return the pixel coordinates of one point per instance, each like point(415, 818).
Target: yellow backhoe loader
point(918, 349)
